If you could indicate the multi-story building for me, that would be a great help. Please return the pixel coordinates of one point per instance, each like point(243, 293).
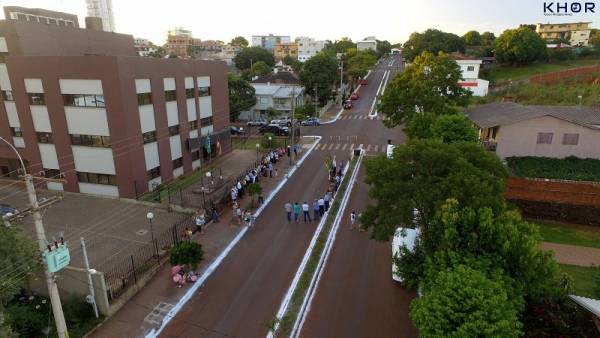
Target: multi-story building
point(367, 43)
point(179, 41)
point(269, 41)
point(308, 47)
point(42, 16)
point(81, 104)
point(577, 33)
point(469, 68)
point(277, 90)
point(144, 47)
point(282, 50)
point(102, 9)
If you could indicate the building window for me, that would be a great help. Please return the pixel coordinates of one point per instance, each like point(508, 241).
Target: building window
point(153, 173)
point(203, 91)
point(144, 98)
point(3, 56)
point(544, 138)
point(196, 155)
point(207, 121)
point(44, 138)
point(51, 173)
point(170, 95)
point(149, 137)
point(36, 99)
point(470, 68)
point(16, 131)
point(174, 130)
point(7, 95)
point(264, 100)
point(570, 139)
point(280, 101)
point(189, 93)
point(94, 178)
point(193, 125)
point(83, 100)
point(90, 141)
point(178, 163)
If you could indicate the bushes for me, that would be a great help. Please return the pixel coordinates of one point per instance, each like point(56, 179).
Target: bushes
point(570, 168)
point(188, 253)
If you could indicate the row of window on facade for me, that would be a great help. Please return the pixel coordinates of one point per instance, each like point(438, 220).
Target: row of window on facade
point(171, 95)
point(568, 139)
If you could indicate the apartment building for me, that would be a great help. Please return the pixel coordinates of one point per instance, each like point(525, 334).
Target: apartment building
point(308, 47)
point(282, 50)
point(577, 33)
point(144, 47)
point(38, 15)
point(179, 41)
point(102, 9)
point(368, 43)
point(269, 41)
point(81, 104)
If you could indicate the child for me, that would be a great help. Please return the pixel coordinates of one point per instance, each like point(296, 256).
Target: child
point(352, 219)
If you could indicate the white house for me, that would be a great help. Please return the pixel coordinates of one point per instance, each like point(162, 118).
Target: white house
point(470, 74)
point(308, 47)
point(278, 96)
point(367, 43)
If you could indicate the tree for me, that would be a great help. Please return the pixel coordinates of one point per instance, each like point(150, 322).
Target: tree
point(186, 253)
point(454, 128)
point(239, 41)
point(487, 38)
point(252, 55)
point(292, 62)
point(425, 173)
point(429, 84)
point(254, 189)
point(464, 302)
point(272, 112)
point(472, 38)
point(241, 96)
point(595, 40)
point(339, 46)
point(383, 47)
point(18, 259)
point(159, 53)
point(360, 62)
point(260, 68)
point(419, 126)
point(520, 46)
point(321, 71)
point(433, 41)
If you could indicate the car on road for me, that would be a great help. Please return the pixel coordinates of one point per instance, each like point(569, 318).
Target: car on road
point(274, 129)
point(257, 122)
point(354, 96)
point(236, 130)
point(7, 209)
point(348, 104)
point(285, 121)
point(403, 237)
point(311, 121)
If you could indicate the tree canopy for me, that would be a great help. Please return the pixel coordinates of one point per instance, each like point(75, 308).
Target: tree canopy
point(252, 55)
point(472, 38)
point(520, 46)
point(241, 96)
point(383, 47)
point(429, 84)
point(359, 63)
point(293, 62)
point(18, 259)
point(339, 46)
point(321, 71)
point(433, 41)
point(595, 40)
point(239, 41)
point(260, 68)
point(447, 128)
point(487, 38)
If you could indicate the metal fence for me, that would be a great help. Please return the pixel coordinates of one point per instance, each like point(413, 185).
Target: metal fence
point(123, 272)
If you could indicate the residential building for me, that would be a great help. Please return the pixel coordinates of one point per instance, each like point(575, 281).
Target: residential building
point(81, 104)
point(469, 68)
point(276, 90)
point(308, 47)
point(550, 131)
point(269, 41)
point(102, 9)
point(144, 47)
point(576, 33)
point(42, 16)
point(367, 43)
point(179, 41)
point(285, 49)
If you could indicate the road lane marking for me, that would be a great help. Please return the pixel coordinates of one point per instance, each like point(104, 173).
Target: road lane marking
point(345, 145)
point(376, 148)
point(368, 147)
point(337, 146)
point(317, 147)
point(352, 146)
point(360, 146)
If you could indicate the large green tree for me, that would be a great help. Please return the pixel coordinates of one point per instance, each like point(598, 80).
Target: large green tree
point(383, 47)
point(293, 62)
point(239, 41)
point(454, 128)
point(251, 55)
point(434, 41)
point(487, 38)
point(321, 71)
point(339, 46)
point(260, 68)
point(472, 38)
point(18, 260)
point(241, 96)
point(359, 63)
point(595, 40)
point(520, 46)
point(429, 84)
point(424, 173)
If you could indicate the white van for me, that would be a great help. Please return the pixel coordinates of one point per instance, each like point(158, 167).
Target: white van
point(402, 237)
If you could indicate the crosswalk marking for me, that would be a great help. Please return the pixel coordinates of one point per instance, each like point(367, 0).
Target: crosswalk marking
point(352, 146)
point(368, 147)
point(330, 146)
point(333, 146)
point(337, 146)
point(376, 148)
point(360, 146)
point(317, 146)
point(345, 145)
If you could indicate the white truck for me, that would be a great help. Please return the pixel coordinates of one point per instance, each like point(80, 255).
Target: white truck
point(403, 237)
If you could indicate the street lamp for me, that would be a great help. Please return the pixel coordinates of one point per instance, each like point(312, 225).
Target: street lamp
point(150, 216)
point(270, 138)
point(257, 146)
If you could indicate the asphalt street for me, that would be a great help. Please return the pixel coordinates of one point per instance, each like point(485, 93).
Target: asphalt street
point(243, 295)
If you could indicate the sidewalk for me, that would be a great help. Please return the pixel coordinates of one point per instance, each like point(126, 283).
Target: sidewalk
point(573, 255)
point(149, 306)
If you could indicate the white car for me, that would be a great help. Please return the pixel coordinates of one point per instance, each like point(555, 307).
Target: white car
point(406, 237)
point(285, 121)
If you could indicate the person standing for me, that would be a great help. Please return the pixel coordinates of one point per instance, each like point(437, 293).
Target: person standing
point(270, 170)
point(288, 210)
point(296, 209)
point(238, 214)
point(316, 210)
point(306, 212)
point(352, 219)
point(200, 220)
point(327, 199)
point(321, 202)
point(261, 199)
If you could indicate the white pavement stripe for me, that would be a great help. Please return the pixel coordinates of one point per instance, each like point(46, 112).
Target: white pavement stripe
point(337, 146)
point(360, 146)
point(368, 147)
point(383, 148)
point(330, 146)
point(345, 145)
point(317, 146)
point(376, 148)
point(352, 146)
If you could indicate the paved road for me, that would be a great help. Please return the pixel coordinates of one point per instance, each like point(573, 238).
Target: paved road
point(244, 293)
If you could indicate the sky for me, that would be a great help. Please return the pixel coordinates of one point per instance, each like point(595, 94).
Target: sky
point(321, 19)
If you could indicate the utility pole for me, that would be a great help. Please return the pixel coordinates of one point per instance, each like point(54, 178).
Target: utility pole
point(89, 277)
point(34, 209)
point(293, 98)
point(316, 102)
point(341, 81)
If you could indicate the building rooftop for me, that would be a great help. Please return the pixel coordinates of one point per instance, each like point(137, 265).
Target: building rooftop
point(278, 78)
point(590, 304)
point(504, 113)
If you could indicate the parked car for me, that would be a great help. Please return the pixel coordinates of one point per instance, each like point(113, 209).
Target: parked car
point(311, 121)
point(236, 130)
point(7, 209)
point(285, 121)
point(348, 104)
point(354, 96)
point(274, 129)
point(257, 122)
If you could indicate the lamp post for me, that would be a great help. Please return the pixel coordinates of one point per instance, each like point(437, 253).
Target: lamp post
point(257, 146)
point(270, 138)
point(150, 216)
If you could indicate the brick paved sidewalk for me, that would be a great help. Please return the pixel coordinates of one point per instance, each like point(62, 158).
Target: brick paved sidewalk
point(573, 255)
point(147, 308)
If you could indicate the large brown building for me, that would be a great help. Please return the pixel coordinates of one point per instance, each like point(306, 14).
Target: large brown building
point(80, 103)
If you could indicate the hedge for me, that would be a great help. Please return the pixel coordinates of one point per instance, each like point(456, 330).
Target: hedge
point(570, 168)
point(560, 212)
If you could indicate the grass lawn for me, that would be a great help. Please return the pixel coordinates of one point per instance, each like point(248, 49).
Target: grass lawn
point(505, 73)
point(581, 235)
point(583, 278)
